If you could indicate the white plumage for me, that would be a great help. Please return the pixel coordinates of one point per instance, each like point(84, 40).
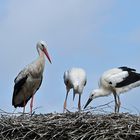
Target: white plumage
point(116, 81)
point(29, 79)
point(76, 79)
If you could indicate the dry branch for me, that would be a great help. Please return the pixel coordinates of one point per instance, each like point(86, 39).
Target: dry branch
point(72, 126)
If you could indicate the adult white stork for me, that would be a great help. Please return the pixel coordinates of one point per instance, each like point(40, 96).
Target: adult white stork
point(76, 79)
point(116, 81)
point(29, 79)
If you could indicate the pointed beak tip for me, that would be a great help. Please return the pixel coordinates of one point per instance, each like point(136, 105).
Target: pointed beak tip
point(49, 58)
point(85, 106)
point(89, 100)
point(50, 61)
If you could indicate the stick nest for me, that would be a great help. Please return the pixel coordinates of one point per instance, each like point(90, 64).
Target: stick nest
point(70, 126)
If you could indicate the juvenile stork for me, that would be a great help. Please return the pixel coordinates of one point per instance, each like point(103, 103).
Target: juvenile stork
point(116, 81)
point(29, 79)
point(74, 78)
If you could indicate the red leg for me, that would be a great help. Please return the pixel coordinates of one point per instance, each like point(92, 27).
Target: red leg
point(65, 102)
point(31, 104)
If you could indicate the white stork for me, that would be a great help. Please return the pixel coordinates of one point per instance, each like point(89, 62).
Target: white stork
point(75, 78)
point(116, 81)
point(29, 79)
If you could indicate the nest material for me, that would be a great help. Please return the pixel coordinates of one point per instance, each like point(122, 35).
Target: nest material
point(70, 126)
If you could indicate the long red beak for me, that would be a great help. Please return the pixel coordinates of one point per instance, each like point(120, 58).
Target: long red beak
point(47, 54)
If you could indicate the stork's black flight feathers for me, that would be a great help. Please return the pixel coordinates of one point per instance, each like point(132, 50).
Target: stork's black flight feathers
point(130, 79)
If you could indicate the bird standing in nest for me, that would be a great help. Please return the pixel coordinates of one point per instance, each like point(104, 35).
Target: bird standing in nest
point(116, 81)
point(74, 78)
point(30, 78)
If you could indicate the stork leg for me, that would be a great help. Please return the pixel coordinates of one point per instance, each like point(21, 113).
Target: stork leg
point(73, 95)
point(24, 105)
point(79, 102)
point(23, 109)
point(65, 102)
point(119, 102)
point(31, 104)
point(116, 103)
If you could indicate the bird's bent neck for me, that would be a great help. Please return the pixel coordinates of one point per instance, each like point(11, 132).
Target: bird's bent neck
point(78, 89)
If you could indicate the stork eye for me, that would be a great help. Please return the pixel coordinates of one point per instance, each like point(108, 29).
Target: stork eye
point(42, 46)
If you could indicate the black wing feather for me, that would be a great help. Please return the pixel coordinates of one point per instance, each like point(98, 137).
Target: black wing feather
point(17, 87)
point(124, 68)
point(25, 102)
point(131, 78)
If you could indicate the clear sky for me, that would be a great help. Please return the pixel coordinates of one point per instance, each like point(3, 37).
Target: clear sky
point(93, 34)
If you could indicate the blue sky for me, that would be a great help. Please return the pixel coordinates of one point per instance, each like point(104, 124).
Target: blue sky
point(96, 35)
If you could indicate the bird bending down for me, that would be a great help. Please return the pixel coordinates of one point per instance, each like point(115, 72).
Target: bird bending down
point(29, 79)
point(116, 81)
point(74, 78)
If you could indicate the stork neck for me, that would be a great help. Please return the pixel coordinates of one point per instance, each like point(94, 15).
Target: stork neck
point(78, 88)
point(101, 92)
point(40, 62)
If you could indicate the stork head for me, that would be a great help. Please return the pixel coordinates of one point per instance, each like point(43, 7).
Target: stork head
point(92, 96)
point(42, 45)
